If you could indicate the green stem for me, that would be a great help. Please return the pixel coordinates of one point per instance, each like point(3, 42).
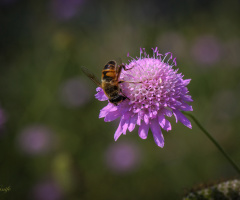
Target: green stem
point(214, 142)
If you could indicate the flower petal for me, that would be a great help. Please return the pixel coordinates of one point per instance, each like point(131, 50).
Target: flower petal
point(126, 117)
point(146, 118)
point(132, 123)
point(118, 132)
point(164, 123)
point(109, 108)
point(181, 117)
point(138, 119)
point(185, 107)
point(186, 82)
point(123, 126)
point(113, 115)
point(186, 98)
point(143, 130)
point(100, 94)
point(167, 126)
point(157, 133)
point(113, 112)
point(167, 112)
point(161, 120)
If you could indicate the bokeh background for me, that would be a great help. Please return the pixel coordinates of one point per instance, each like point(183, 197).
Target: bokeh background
point(52, 144)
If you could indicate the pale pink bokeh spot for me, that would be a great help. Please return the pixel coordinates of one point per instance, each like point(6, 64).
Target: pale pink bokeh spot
point(123, 157)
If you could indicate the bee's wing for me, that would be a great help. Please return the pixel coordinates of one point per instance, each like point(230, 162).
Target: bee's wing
point(118, 60)
point(91, 76)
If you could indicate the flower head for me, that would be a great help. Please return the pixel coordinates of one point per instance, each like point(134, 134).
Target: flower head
point(154, 90)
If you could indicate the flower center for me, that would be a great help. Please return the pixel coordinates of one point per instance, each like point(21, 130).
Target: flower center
point(149, 84)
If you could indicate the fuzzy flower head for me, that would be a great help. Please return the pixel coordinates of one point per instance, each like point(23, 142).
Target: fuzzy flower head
point(154, 90)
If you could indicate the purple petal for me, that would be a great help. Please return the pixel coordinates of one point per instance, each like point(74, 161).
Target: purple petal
point(161, 120)
point(146, 118)
point(186, 82)
point(109, 108)
point(125, 125)
point(112, 115)
point(132, 123)
point(185, 107)
point(157, 133)
point(143, 130)
point(176, 103)
point(118, 132)
point(113, 112)
point(164, 123)
point(186, 98)
point(100, 94)
point(167, 126)
point(181, 117)
point(139, 119)
point(167, 112)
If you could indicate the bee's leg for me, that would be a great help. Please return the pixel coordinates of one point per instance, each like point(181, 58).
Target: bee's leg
point(124, 67)
point(128, 82)
point(125, 97)
point(124, 94)
point(119, 70)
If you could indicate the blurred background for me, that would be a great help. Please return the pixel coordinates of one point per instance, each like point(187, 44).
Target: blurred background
point(53, 146)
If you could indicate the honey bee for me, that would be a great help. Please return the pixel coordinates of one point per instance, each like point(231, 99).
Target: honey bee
point(110, 81)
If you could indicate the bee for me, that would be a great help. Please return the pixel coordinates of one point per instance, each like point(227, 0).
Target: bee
point(110, 81)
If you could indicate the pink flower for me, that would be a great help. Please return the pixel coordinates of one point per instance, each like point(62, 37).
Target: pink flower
point(66, 9)
point(158, 91)
point(75, 93)
point(123, 157)
point(207, 50)
point(36, 139)
point(47, 190)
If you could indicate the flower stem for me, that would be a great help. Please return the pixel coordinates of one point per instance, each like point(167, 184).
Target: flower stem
point(214, 142)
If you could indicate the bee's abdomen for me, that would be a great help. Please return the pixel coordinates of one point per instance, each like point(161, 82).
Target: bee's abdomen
point(117, 99)
point(111, 90)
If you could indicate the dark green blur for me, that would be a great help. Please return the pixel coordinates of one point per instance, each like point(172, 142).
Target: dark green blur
point(40, 50)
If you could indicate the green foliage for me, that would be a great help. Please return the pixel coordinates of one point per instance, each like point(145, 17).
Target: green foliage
point(40, 52)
